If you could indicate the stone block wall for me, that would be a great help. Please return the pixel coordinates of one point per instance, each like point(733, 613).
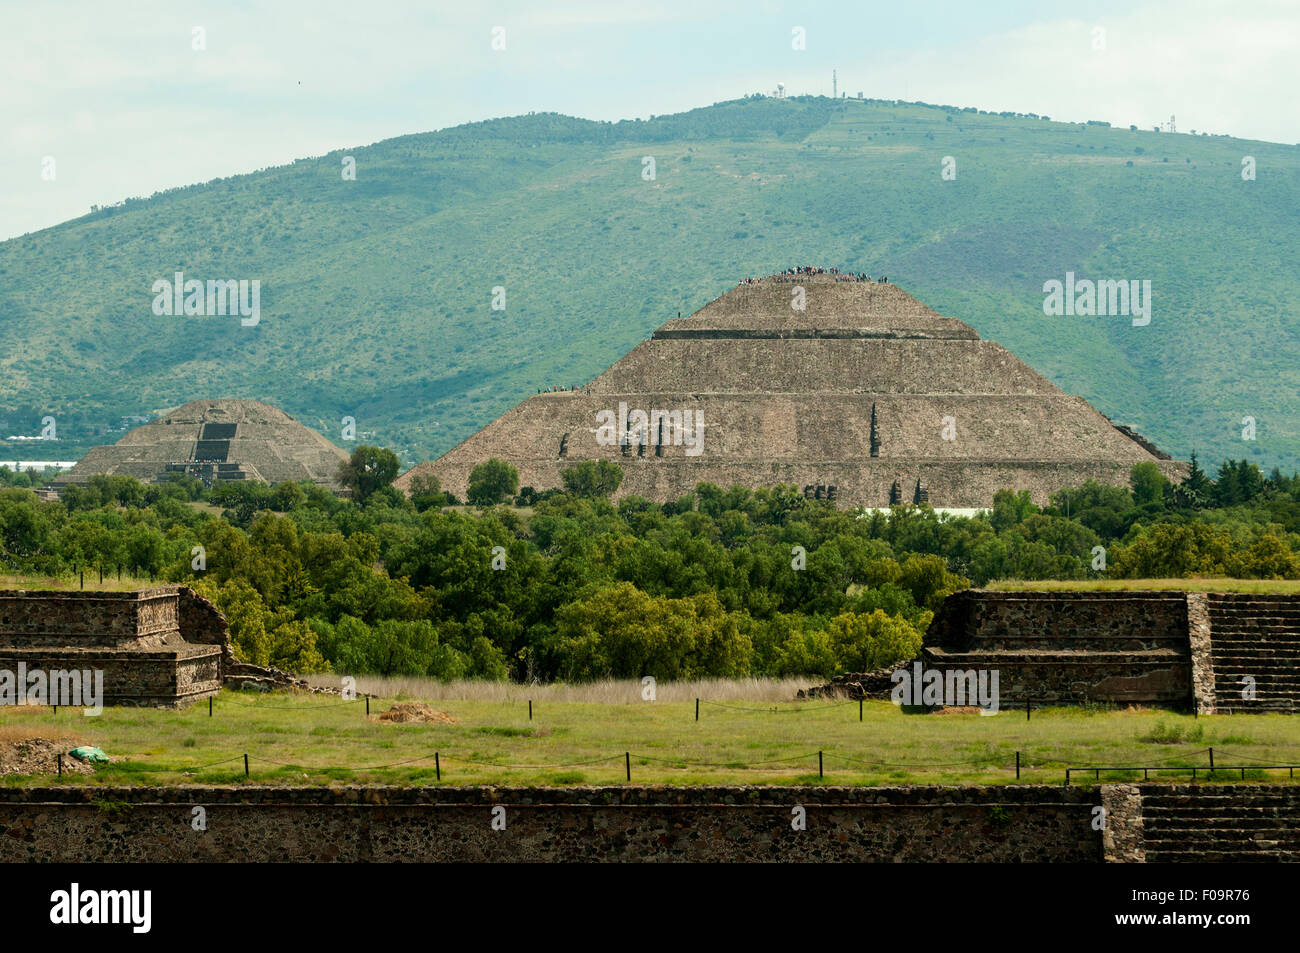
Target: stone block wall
point(160, 646)
point(30, 617)
point(1018, 824)
point(136, 679)
point(1068, 647)
point(1215, 652)
point(202, 622)
point(1023, 824)
point(1102, 621)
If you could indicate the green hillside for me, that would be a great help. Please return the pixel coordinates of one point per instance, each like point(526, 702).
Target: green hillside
point(376, 293)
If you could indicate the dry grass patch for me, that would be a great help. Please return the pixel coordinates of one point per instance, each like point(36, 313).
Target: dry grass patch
point(30, 756)
point(28, 746)
point(610, 691)
point(405, 712)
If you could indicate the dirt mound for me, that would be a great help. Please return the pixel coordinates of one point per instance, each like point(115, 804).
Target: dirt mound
point(415, 712)
point(39, 756)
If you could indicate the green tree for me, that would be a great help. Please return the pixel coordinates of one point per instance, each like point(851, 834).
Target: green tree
point(287, 496)
point(866, 642)
point(492, 481)
point(368, 469)
point(1149, 484)
point(1195, 490)
point(1009, 508)
point(426, 492)
point(929, 581)
point(592, 479)
point(623, 632)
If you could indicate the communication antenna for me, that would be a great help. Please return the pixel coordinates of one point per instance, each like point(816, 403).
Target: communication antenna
point(835, 86)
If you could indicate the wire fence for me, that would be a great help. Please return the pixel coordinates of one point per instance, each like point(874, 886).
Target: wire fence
point(990, 762)
point(1262, 766)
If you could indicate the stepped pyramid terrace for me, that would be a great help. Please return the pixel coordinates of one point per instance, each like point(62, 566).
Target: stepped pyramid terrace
point(216, 440)
point(865, 396)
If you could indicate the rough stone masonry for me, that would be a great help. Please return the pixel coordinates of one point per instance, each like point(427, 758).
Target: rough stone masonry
point(863, 396)
point(163, 646)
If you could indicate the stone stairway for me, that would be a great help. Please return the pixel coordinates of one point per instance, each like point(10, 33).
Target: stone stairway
point(1193, 824)
point(1256, 636)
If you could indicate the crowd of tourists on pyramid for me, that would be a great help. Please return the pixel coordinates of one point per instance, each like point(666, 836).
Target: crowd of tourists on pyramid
point(561, 388)
point(801, 271)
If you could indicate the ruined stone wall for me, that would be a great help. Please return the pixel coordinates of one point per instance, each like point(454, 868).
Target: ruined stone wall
point(1214, 652)
point(155, 679)
point(1121, 837)
point(1068, 647)
point(202, 623)
point(1019, 824)
point(1025, 824)
point(101, 618)
point(160, 646)
point(1105, 621)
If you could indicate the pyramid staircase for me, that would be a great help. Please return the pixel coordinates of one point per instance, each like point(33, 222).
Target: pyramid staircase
point(1228, 824)
point(1256, 636)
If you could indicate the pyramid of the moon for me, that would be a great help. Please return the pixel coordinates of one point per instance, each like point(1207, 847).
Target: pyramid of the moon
point(864, 396)
point(216, 440)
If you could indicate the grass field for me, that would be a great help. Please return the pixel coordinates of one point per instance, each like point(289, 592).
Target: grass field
point(1191, 584)
point(110, 584)
point(319, 740)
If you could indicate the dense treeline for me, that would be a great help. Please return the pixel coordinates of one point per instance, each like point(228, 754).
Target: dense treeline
point(566, 584)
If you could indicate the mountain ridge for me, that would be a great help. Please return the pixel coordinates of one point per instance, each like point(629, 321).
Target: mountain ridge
point(376, 293)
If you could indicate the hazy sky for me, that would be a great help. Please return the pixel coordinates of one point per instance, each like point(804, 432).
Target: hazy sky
point(115, 92)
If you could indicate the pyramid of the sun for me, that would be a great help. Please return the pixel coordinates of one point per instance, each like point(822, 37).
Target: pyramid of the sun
point(216, 440)
point(864, 390)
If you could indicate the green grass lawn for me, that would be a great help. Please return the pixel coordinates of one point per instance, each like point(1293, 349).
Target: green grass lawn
point(295, 739)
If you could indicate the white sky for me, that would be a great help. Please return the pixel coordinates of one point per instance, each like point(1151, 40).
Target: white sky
point(115, 93)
